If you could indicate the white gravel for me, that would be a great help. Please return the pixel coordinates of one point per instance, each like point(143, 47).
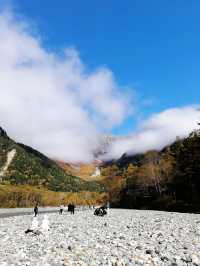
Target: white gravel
point(124, 237)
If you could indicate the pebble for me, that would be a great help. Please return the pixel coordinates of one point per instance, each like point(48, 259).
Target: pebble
point(123, 238)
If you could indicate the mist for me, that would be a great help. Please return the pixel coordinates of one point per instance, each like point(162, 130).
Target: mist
point(52, 102)
point(156, 132)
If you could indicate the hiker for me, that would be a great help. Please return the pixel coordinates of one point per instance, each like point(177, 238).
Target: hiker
point(71, 208)
point(61, 209)
point(108, 207)
point(36, 210)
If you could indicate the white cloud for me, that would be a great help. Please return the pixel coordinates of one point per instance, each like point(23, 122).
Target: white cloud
point(54, 105)
point(51, 103)
point(158, 131)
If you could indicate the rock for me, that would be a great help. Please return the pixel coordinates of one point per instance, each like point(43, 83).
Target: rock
point(195, 259)
point(157, 251)
point(139, 247)
point(155, 238)
point(3, 132)
point(118, 263)
point(164, 258)
point(149, 251)
point(187, 259)
point(70, 248)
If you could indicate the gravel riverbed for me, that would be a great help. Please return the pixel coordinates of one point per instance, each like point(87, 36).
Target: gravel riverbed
point(124, 237)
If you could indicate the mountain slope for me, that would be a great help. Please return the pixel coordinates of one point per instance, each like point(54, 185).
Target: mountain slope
point(165, 180)
point(86, 171)
point(20, 164)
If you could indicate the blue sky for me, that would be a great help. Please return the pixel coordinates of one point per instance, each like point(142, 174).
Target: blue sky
point(151, 46)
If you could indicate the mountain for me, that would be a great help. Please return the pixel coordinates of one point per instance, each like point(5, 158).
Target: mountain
point(103, 147)
point(163, 180)
point(23, 165)
point(105, 144)
point(86, 171)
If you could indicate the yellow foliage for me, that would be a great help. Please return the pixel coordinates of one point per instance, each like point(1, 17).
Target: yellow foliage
point(27, 196)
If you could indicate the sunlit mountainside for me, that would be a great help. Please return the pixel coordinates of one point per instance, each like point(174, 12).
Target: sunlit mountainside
point(165, 179)
point(20, 165)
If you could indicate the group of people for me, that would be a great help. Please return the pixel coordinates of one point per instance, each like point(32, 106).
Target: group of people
point(71, 209)
point(101, 211)
point(44, 228)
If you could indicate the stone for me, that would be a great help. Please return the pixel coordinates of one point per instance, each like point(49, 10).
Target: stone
point(86, 240)
point(195, 259)
point(149, 251)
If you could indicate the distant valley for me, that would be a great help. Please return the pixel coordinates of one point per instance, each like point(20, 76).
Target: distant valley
point(163, 180)
point(23, 166)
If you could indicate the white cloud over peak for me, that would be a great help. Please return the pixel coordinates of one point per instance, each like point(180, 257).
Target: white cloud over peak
point(51, 103)
point(158, 131)
point(55, 105)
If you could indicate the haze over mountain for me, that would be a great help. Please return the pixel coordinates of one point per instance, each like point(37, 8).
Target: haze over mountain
point(156, 132)
point(54, 103)
point(23, 165)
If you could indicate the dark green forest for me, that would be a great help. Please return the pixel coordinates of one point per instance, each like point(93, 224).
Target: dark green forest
point(163, 180)
point(30, 167)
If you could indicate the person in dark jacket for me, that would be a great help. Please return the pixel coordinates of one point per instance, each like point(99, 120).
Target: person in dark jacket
point(71, 208)
point(61, 209)
point(36, 210)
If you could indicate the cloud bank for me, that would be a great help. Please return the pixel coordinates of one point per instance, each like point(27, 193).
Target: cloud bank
point(158, 131)
point(53, 103)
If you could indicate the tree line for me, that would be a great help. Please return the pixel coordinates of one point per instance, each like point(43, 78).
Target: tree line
point(164, 180)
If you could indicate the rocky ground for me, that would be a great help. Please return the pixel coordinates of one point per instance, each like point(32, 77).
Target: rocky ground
point(20, 211)
point(124, 237)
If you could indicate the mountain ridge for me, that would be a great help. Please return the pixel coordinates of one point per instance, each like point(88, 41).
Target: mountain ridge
point(29, 166)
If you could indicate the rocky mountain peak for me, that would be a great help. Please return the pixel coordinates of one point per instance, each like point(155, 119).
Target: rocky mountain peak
point(3, 132)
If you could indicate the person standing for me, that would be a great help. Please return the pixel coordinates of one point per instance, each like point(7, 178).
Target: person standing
point(108, 207)
point(61, 209)
point(73, 209)
point(36, 210)
point(69, 207)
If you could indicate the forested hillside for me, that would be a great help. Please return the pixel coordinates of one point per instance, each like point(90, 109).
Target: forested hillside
point(165, 180)
point(22, 165)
